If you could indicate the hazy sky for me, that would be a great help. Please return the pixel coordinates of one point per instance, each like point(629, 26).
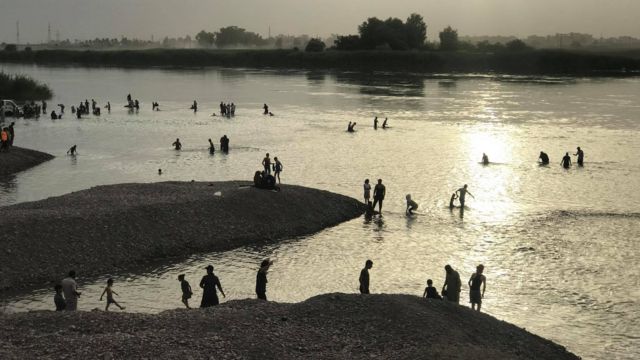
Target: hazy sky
point(142, 18)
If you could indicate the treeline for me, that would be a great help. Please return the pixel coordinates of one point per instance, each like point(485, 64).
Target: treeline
point(527, 62)
point(22, 88)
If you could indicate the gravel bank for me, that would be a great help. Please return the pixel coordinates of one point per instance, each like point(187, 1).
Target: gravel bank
point(114, 227)
point(332, 326)
point(20, 159)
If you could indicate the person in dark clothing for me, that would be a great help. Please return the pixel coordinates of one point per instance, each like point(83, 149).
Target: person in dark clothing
point(186, 290)
point(223, 109)
point(266, 109)
point(208, 284)
point(261, 279)
point(224, 144)
point(485, 159)
point(12, 134)
point(477, 280)
point(544, 158)
point(72, 150)
point(566, 161)
point(58, 299)
point(364, 277)
point(580, 155)
point(54, 116)
point(431, 292)
point(375, 123)
point(384, 123)
point(194, 107)
point(44, 107)
point(212, 149)
point(379, 192)
point(177, 145)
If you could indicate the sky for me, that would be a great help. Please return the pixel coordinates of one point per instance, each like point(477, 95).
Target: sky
point(88, 19)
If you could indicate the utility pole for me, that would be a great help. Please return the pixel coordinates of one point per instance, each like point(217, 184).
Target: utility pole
point(269, 31)
point(49, 34)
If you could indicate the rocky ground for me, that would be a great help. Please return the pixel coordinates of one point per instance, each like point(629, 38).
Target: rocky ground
point(332, 326)
point(19, 159)
point(114, 227)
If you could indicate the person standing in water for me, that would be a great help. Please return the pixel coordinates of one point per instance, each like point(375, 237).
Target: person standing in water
point(580, 155)
point(375, 123)
point(177, 145)
point(261, 279)
point(462, 192)
point(108, 107)
point(384, 123)
point(266, 163)
point(224, 144)
point(566, 161)
point(477, 279)
point(452, 285)
point(266, 109)
point(277, 168)
point(544, 158)
point(109, 291)
point(379, 192)
point(454, 196)
point(58, 299)
point(186, 290)
point(364, 277)
point(367, 192)
point(72, 150)
point(209, 283)
point(212, 149)
point(485, 159)
point(194, 107)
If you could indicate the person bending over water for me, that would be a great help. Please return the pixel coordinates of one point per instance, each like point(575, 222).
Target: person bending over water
point(566, 161)
point(411, 205)
point(72, 150)
point(177, 145)
point(462, 192)
point(212, 149)
point(384, 123)
point(580, 155)
point(544, 158)
point(485, 159)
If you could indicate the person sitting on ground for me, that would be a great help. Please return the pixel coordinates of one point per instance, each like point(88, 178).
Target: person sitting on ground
point(544, 158)
point(72, 150)
point(186, 290)
point(58, 299)
point(454, 196)
point(431, 292)
point(263, 181)
point(177, 145)
point(109, 291)
point(411, 205)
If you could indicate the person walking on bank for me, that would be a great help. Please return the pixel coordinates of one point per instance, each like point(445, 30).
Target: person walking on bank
point(208, 284)
point(277, 168)
point(186, 290)
point(477, 279)
point(364, 277)
point(261, 279)
point(110, 300)
point(70, 290)
point(452, 285)
point(379, 191)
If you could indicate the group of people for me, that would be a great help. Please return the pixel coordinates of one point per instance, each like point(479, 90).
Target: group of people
point(379, 192)
point(450, 289)
point(7, 136)
point(265, 179)
point(566, 159)
point(375, 123)
point(224, 145)
point(228, 110)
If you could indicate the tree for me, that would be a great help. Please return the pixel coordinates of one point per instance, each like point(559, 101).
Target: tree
point(315, 45)
point(449, 39)
point(233, 35)
point(516, 45)
point(348, 43)
point(416, 31)
point(205, 39)
point(10, 47)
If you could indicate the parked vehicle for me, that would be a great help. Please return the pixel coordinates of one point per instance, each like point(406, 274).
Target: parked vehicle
point(10, 108)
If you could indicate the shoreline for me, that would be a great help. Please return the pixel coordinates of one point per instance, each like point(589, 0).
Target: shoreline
point(19, 159)
point(113, 227)
point(326, 326)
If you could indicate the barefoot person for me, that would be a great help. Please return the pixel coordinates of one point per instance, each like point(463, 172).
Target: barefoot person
point(208, 284)
point(109, 291)
point(462, 192)
point(367, 192)
point(277, 168)
point(261, 279)
point(266, 163)
point(70, 290)
point(364, 277)
point(454, 196)
point(186, 290)
point(452, 285)
point(477, 279)
point(431, 292)
point(579, 154)
point(379, 193)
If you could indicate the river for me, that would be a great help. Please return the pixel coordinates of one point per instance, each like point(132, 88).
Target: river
point(553, 241)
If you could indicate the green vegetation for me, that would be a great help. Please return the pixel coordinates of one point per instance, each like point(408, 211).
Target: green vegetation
point(523, 61)
point(22, 88)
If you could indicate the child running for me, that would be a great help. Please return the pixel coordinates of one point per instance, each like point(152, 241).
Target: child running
point(186, 290)
point(109, 291)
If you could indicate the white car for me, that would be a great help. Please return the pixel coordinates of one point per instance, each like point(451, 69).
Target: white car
point(9, 108)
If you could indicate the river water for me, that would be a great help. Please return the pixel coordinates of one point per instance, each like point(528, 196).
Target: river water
point(559, 246)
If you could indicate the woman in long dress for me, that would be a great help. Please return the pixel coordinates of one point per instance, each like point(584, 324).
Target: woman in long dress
point(208, 284)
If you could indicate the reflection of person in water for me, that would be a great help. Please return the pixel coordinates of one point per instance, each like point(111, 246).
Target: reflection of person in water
point(566, 161)
point(485, 159)
point(544, 158)
point(177, 144)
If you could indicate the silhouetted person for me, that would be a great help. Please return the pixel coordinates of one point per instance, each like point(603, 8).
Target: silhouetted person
point(544, 158)
point(430, 292)
point(108, 107)
point(186, 290)
point(462, 192)
point(72, 150)
point(277, 168)
point(58, 299)
point(261, 279)
point(477, 279)
point(128, 98)
point(485, 159)
point(454, 196)
point(44, 107)
point(266, 163)
point(212, 149)
point(61, 108)
point(70, 290)
point(110, 292)
point(375, 123)
point(54, 116)
point(159, 171)
point(266, 109)
point(224, 144)
point(384, 123)
point(194, 107)
point(136, 104)
point(379, 192)
point(12, 133)
point(411, 205)
point(208, 284)
point(580, 155)
point(177, 145)
point(452, 285)
point(566, 161)
point(223, 109)
point(351, 126)
point(367, 191)
point(364, 277)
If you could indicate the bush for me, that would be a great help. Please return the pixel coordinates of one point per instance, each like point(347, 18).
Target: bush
point(315, 45)
point(21, 88)
point(10, 47)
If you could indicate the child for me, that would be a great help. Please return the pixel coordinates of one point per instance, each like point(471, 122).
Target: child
point(430, 292)
point(186, 290)
point(58, 299)
point(453, 198)
point(411, 205)
point(367, 191)
point(109, 291)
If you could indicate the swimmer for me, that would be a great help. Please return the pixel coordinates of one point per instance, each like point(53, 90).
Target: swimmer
point(72, 150)
point(177, 144)
point(566, 161)
point(485, 159)
point(411, 205)
point(544, 158)
point(159, 171)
